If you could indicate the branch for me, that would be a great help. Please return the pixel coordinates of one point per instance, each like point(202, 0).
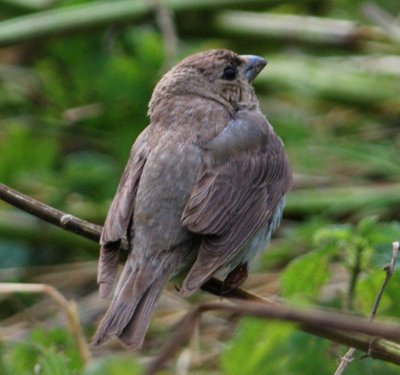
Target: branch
point(336, 327)
point(50, 214)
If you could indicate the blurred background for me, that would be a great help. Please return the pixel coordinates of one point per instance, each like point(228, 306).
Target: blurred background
point(75, 80)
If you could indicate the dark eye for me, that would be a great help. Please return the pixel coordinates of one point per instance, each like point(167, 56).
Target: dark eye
point(229, 73)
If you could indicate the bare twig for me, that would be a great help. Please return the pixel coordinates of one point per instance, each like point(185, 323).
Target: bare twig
point(322, 324)
point(68, 307)
point(50, 214)
point(389, 269)
point(345, 360)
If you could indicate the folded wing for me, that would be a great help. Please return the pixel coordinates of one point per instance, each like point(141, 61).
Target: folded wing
point(120, 215)
point(245, 173)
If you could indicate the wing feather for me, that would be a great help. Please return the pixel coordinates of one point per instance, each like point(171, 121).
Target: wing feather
point(120, 215)
point(245, 173)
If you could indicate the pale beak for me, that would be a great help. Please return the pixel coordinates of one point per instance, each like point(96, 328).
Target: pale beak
point(254, 66)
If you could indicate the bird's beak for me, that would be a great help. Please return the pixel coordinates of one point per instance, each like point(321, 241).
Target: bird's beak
point(254, 65)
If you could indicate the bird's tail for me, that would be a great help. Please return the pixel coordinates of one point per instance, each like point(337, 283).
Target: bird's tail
point(129, 314)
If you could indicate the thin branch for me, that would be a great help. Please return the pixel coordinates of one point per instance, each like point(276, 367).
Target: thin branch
point(389, 269)
point(319, 323)
point(50, 214)
point(68, 308)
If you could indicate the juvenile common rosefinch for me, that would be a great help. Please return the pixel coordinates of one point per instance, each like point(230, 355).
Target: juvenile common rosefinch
point(203, 190)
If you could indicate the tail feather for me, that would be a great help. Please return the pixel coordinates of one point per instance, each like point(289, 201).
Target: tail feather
point(108, 266)
point(201, 271)
point(135, 331)
point(129, 314)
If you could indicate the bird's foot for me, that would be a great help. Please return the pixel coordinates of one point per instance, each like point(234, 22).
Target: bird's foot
point(234, 278)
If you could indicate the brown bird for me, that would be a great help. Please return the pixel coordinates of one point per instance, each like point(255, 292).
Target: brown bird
point(203, 190)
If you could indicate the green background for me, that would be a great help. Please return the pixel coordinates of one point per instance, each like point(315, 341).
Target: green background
point(75, 80)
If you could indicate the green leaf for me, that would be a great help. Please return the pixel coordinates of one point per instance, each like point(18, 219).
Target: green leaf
point(53, 363)
point(49, 352)
point(304, 276)
point(257, 348)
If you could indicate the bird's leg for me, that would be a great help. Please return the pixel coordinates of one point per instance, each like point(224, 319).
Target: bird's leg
point(235, 278)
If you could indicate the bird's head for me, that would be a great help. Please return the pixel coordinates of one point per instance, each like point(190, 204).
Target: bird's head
point(218, 75)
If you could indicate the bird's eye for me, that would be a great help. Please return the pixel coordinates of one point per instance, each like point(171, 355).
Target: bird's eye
point(229, 73)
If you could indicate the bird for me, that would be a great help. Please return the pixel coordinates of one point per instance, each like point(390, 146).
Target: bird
point(202, 192)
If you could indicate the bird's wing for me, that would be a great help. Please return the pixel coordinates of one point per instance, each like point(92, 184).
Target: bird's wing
point(244, 175)
point(120, 215)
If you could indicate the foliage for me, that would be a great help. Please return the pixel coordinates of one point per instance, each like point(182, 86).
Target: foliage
point(362, 250)
point(44, 352)
point(72, 104)
point(260, 347)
